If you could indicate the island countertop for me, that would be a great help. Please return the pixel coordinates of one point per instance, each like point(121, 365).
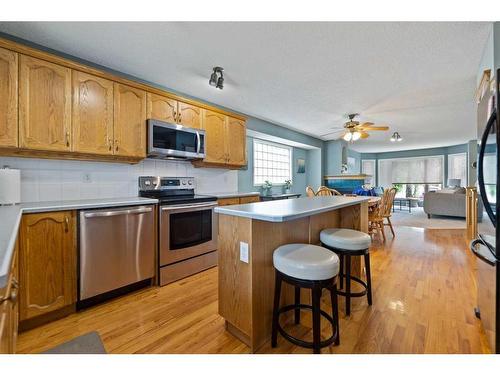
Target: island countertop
point(289, 209)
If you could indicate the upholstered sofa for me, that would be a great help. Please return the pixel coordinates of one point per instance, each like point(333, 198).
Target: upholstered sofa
point(448, 202)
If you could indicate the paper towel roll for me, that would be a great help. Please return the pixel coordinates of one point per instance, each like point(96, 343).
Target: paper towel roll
point(10, 186)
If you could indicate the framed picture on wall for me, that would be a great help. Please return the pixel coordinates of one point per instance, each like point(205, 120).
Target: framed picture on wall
point(301, 166)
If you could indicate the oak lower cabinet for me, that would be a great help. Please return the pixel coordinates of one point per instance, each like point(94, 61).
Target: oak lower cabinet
point(9, 308)
point(8, 98)
point(92, 114)
point(44, 105)
point(47, 259)
point(129, 121)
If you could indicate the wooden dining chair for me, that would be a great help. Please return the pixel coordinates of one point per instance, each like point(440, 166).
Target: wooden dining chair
point(383, 211)
point(310, 192)
point(324, 191)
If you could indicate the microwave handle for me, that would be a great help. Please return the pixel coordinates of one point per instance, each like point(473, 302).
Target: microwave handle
point(198, 142)
point(480, 168)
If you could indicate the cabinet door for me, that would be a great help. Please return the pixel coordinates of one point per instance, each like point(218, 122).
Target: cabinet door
point(236, 141)
point(8, 98)
point(215, 144)
point(228, 201)
point(44, 105)
point(161, 108)
point(130, 121)
point(251, 199)
point(92, 114)
point(47, 263)
point(189, 115)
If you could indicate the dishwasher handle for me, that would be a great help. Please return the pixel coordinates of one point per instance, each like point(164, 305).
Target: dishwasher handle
point(131, 211)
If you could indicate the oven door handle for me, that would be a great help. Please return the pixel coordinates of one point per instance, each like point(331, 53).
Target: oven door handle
point(194, 206)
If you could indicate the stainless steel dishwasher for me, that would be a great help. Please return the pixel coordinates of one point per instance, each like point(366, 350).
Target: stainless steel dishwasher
point(116, 248)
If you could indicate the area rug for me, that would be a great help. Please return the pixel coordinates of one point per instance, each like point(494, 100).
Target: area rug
point(418, 218)
point(89, 343)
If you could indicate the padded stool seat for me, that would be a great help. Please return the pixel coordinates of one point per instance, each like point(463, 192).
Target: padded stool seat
point(306, 262)
point(345, 239)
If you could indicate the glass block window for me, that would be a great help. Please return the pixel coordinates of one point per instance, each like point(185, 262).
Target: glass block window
point(272, 162)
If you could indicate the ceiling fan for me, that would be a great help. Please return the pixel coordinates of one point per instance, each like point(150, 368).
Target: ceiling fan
point(353, 130)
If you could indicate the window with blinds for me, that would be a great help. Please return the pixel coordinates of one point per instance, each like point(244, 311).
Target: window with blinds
point(418, 170)
point(368, 168)
point(271, 162)
point(457, 167)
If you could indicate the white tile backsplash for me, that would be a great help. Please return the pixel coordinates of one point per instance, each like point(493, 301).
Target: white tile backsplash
point(47, 180)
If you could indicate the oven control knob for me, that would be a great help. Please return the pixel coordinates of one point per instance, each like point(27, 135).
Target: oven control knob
point(147, 182)
point(184, 182)
point(190, 182)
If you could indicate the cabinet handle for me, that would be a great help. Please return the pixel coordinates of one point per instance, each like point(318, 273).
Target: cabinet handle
point(13, 292)
point(66, 224)
point(110, 144)
point(180, 117)
point(67, 139)
point(116, 145)
point(175, 116)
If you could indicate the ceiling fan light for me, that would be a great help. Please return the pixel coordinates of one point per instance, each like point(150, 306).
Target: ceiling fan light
point(356, 136)
point(347, 136)
point(400, 139)
point(393, 139)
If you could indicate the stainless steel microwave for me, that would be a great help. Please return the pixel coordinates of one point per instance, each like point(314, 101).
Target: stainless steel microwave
point(174, 141)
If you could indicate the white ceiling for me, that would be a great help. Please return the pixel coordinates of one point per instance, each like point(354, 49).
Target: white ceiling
point(418, 78)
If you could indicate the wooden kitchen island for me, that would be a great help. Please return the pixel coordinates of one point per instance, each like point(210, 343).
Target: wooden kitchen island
point(246, 283)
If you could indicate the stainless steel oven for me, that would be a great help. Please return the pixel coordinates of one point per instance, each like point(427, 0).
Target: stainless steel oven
point(186, 231)
point(187, 226)
point(174, 141)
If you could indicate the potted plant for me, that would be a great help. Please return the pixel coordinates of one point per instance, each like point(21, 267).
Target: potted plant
point(287, 186)
point(267, 187)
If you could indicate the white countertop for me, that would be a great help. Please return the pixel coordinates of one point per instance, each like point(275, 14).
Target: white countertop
point(234, 194)
point(289, 209)
point(10, 218)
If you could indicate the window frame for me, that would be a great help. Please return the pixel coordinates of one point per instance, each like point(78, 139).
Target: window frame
point(275, 144)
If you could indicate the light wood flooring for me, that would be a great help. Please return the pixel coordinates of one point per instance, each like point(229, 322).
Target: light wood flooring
point(423, 292)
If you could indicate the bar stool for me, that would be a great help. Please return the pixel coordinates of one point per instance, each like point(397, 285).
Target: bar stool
point(311, 267)
point(347, 243)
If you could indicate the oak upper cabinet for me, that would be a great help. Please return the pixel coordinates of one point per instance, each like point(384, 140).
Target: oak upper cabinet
point(236, 142)
point(92, 114)
point(47, 262)
point(8, 98)
point(189, 115)
point(172, 111)
point(161, 108)
point(215, 145)
point(44, 105)
point(129, 121)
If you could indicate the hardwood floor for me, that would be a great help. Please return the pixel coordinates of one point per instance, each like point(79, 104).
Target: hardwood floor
point(423, 291)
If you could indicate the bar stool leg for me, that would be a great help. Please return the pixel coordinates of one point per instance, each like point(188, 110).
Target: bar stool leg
point(348, 285)
point(335, 311)
point(297, 302)
point(316, 301)
point(277, 296)
point(368, 278)
point(341, 272)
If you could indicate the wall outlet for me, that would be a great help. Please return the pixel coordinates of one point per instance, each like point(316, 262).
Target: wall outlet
point(87, 178)
point(244, 252)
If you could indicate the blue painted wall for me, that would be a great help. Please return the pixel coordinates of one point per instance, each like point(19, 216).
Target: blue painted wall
point(445, 151)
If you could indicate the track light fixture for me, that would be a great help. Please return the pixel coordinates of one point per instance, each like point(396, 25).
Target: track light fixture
point(217, 78)
point(396, 137)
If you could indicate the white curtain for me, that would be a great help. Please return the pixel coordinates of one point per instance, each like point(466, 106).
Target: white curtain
point(368, 167)
point(457, 167)
point(421, 170)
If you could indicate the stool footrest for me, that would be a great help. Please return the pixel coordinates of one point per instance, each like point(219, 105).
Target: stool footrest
point(354, 294)
point(302, 343)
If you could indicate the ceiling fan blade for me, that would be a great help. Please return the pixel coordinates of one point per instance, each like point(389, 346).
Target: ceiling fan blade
point(367, 124)
point(364, 135)
point(370, 128)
